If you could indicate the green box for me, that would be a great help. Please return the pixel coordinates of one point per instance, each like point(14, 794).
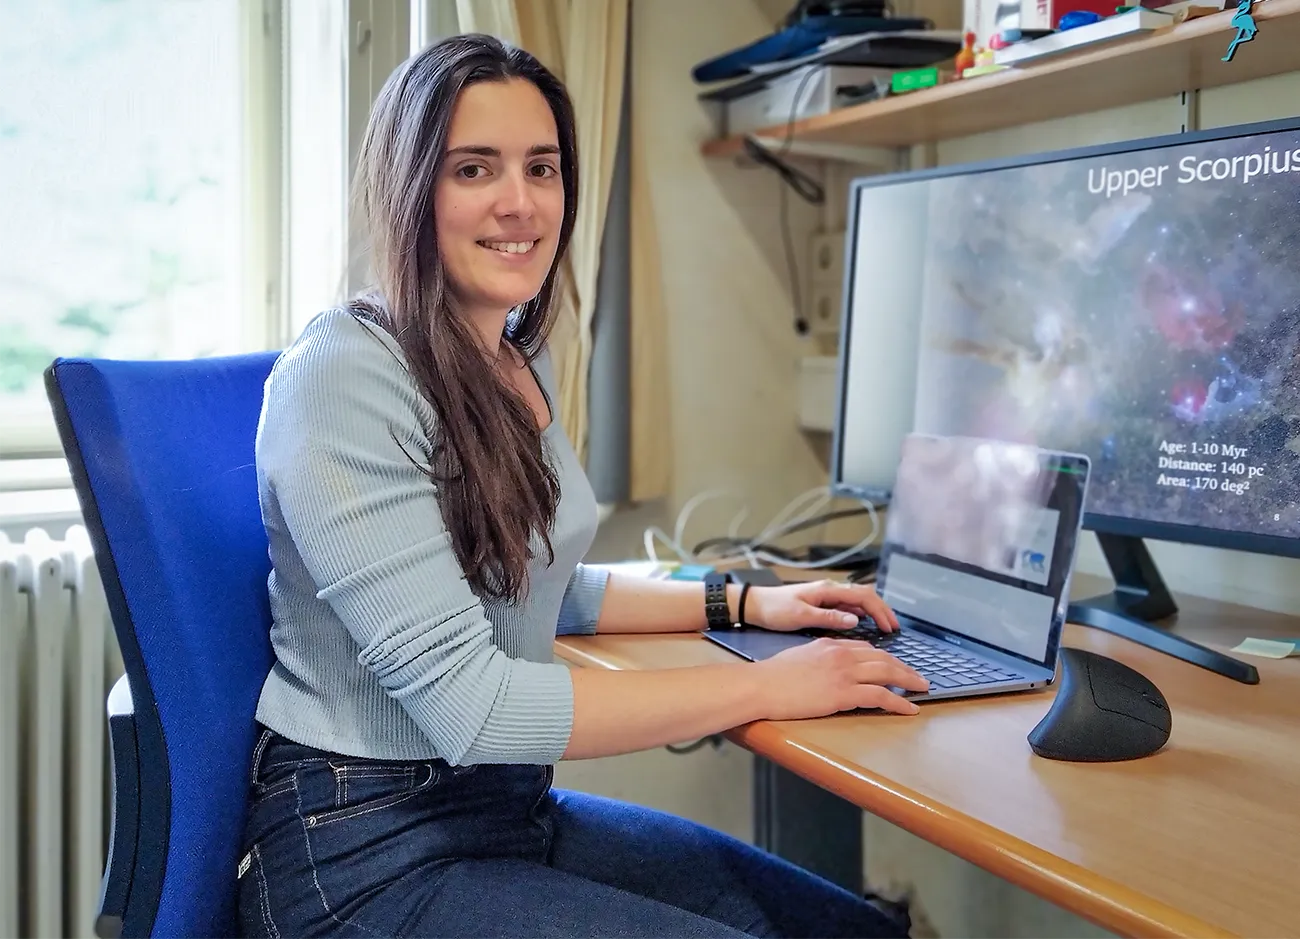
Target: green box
point(912, 79)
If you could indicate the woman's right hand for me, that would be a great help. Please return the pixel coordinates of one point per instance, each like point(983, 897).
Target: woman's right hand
point(827, 676)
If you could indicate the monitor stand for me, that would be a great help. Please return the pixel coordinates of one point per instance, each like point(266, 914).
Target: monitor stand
point(1141, 596)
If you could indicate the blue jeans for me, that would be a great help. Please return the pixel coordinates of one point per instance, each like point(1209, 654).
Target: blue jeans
point(344, 846)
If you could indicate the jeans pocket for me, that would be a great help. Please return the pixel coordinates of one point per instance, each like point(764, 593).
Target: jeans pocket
point(255, 915)
point(360, 820)
point(365, 787)
point(261, 791)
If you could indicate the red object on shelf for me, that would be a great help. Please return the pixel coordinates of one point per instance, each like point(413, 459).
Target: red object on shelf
point(1046, 14)
point(966, 56)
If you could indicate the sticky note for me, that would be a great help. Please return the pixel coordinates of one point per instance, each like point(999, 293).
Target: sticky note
point(1269, 648)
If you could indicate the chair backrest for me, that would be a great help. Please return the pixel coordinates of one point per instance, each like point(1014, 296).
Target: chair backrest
point(162, 456)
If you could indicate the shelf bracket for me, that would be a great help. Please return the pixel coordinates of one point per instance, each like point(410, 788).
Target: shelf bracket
point(884, 158)
point(1191, 108)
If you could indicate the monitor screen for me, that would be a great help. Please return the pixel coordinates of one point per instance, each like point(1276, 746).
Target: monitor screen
point(878, 336)
point(1137, 303)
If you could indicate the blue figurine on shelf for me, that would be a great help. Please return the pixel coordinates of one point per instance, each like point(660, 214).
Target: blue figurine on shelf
point(1244, 23)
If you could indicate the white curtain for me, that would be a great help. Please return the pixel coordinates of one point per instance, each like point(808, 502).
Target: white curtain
point(584, 42)
point(650, 469)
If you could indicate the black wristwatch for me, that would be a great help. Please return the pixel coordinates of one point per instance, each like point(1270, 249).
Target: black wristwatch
point(716, 611)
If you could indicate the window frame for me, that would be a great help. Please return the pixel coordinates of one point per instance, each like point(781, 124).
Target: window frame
point(432, 20)
point(377, 36)
point(261, 59)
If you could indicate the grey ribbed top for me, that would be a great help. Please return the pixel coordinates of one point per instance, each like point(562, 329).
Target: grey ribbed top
point(382, 650)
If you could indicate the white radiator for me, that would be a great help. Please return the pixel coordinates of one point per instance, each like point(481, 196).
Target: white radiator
point(58, 658)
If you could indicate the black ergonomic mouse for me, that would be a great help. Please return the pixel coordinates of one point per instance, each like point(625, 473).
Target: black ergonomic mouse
point(1104, 712)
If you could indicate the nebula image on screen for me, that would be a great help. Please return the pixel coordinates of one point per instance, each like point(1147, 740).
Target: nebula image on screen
point(1142, 308)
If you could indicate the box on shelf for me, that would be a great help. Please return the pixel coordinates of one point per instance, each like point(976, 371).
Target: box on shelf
point(1046, 14)
point(915, 79)
point(987, 18)
point(819, 91)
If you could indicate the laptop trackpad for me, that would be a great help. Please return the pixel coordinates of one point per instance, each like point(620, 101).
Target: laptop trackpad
point(756, 644)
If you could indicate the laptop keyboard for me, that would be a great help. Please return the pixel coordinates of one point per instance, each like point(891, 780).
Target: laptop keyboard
point(943, 665)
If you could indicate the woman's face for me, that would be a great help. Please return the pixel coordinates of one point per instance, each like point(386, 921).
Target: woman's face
point(499, 199)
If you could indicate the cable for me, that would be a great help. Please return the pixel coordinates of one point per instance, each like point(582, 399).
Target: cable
point(807, 187)
point(783, 523)
point(681, 749)
point(757, 550)
point(795, 178)
point(834, 559)
point(679, 530)
point(731, 541)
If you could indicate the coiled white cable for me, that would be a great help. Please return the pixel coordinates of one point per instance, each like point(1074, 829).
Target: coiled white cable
point(787, 520)
point(679, 529)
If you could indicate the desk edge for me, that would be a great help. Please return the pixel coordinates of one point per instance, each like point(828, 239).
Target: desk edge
point(1116, 907)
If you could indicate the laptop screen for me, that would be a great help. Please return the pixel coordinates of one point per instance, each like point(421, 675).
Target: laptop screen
point(980, 540)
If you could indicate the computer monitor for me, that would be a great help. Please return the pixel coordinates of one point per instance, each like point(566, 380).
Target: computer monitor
point(1138, 302)
point(878, 334)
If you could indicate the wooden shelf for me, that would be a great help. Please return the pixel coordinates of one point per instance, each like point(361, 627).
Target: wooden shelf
point(1156, 65)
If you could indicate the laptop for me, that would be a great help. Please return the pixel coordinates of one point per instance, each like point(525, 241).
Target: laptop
point(980, 544)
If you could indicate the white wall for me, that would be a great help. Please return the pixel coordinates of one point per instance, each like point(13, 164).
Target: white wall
point(731, 343)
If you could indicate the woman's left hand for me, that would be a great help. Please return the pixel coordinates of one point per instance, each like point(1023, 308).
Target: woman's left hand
point(823, 604)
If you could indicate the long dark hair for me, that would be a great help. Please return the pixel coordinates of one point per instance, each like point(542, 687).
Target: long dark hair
point(496, 485)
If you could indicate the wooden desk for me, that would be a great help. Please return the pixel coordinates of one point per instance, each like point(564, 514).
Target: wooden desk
point(1201, 839)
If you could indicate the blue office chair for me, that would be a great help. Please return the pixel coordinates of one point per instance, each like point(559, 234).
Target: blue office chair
point(161, 454)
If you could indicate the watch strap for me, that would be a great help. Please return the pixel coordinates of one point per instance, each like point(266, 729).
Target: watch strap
point(716, 611)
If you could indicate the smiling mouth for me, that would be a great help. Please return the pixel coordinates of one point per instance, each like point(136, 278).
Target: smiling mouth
point(509, 247)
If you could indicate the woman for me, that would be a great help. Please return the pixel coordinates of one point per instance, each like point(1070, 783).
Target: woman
point(427, 518)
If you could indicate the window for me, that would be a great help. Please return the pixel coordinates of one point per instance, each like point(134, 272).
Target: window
point(139, 151)
point(432, 20)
